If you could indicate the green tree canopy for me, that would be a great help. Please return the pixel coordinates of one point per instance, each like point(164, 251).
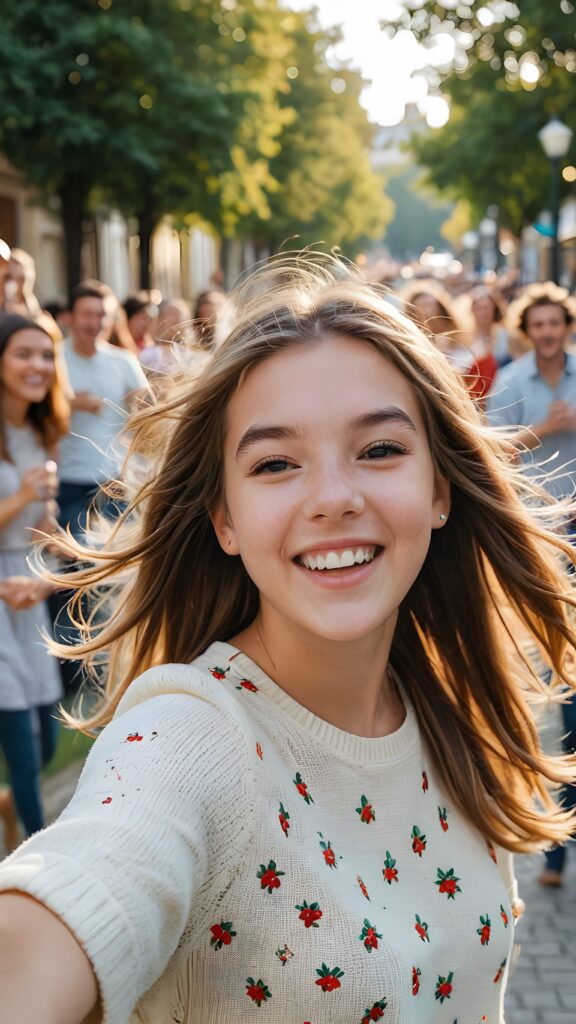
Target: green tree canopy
point(515, 67)
point(327, 190)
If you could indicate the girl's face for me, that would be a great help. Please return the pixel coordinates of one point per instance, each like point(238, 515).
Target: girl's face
point(331, 494)
point(27, 366)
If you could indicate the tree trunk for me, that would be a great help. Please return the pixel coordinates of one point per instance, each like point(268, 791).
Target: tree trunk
point(146, 225)
point(74, 205)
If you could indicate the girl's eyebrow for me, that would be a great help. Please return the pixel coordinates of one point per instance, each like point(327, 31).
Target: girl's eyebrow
point(257, 433)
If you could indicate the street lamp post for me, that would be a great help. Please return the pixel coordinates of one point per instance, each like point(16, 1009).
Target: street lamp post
point(555, 138)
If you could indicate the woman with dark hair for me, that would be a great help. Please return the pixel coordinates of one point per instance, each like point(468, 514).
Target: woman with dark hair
point(33, 417)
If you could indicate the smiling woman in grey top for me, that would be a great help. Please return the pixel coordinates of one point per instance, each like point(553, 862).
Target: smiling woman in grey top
point(33, 419)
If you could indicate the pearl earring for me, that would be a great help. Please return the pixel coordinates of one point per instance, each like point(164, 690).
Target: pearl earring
point(442, 517)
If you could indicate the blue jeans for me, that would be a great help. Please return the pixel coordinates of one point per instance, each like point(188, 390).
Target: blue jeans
point(25, 753)
point(555, 858)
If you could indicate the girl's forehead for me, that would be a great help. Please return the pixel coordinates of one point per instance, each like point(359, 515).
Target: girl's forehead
point(338, 377)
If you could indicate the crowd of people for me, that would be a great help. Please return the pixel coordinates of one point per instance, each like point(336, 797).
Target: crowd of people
point(329, 499)
point(70, 376)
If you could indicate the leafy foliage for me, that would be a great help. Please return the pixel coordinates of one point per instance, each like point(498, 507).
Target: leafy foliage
point(509, 77)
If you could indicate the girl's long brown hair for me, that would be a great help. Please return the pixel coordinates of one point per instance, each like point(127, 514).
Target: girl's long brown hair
point(172, 591)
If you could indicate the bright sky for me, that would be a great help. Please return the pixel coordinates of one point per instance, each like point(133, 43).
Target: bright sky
point(392, 65)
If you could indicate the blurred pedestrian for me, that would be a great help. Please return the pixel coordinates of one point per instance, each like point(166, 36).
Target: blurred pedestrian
point(174, 331)
point(141, 315)
point(324, 723)
point(34, 416)
point(431, 306)
point(104, 380)
point(207, 310)
point(537, 393)
point(19, 281)
point(4, 264)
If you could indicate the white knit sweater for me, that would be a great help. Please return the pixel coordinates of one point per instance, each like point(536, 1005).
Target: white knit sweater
point(229, 858)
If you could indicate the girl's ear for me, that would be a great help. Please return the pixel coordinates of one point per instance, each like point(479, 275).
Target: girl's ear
point(442, 503)
point(224, 529)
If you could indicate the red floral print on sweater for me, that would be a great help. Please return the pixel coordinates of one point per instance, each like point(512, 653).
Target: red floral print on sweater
point(485, 930)
point(328, 852)
point(389, 871)
point(416, 975)
point(222, 934)
point(444, 987)
point(284, 819)
point(418, 841)
point(363, 888)
point(246, 684)
point(369, 936)
point(218, 672)
point(269, 876)
point(376, 1013)
point(329, 980)
point(447, 882)
point(310, 913)
point(258, 991)
point(302, 788)
point(366, 811)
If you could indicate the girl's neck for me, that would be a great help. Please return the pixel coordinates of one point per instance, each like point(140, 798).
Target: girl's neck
point(15, 410)
point(345, 684)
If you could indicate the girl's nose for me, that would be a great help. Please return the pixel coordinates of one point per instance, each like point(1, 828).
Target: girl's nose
point(333, 494)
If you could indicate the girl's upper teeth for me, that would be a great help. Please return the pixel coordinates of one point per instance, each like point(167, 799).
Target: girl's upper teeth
point(339, 559)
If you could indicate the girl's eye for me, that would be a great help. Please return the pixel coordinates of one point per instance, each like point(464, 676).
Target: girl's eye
point(383, 450)
point(273, 464)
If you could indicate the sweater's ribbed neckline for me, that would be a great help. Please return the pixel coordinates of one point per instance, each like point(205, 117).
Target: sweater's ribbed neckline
point(361, 749)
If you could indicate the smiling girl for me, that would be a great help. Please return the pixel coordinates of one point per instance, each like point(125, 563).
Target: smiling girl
point(33, 416)
point(317, 757)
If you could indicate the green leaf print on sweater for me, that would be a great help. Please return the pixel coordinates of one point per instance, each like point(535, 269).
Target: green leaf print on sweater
point(258, 991)
point(444, 987)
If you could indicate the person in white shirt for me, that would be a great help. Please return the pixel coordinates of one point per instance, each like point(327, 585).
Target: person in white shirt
point(105, 381)
point(304, 808)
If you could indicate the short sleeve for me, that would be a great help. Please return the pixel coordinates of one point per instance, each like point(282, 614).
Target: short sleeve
point(124, 862)
point(134, 374)
point(504, 407)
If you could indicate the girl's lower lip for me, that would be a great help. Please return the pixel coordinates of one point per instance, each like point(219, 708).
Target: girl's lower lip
point(337, 579)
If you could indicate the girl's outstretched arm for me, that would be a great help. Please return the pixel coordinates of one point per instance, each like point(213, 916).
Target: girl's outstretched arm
point(45, 975)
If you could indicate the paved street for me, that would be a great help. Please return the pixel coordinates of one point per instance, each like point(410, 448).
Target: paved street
point(543, 987)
